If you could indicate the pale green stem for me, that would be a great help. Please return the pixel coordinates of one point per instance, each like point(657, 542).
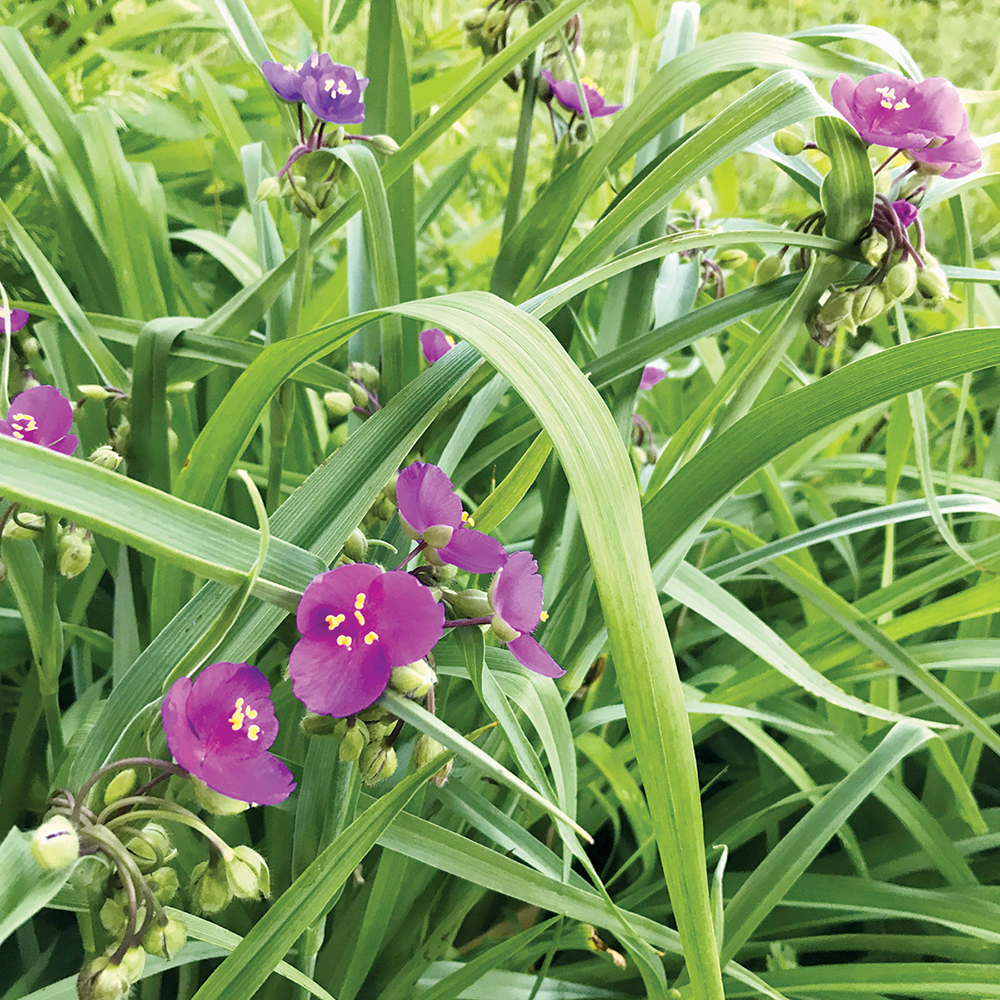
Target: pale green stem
point(48, 659)
point(283, 401)
point(168, 812)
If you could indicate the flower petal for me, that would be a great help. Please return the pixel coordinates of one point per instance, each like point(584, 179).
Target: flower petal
point(17, 319)
point(517, 592)
point(425, 496)
point(473, 551)
point(227, 701)
point(654, 372)
point(407, 619)
point(262, 778)
point(334, 680)
point(66, 445)
point(185, 744)
point(333, 592)
point(531, 654)
point(435, 344)
point(50, 410)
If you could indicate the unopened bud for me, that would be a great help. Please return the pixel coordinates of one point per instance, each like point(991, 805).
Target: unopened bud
point(339, 403)
point(474, 20)
point(106, 457)
point(164, 883)
point(113, 916)
point(55, 844)
point(901, 281)
point(99, 979)
point(95, 392)
point(425, 749)
point(23, 526)
point(248, 874)
point(874, 248)
point(790, 141)
point(732, 258)
point(384, 509)
point(413, 680)
point(932, 284)
point(471, 603)
point(132, 964)
point(210, 890)
point(701, 207)
point(359, 395)
point(269, 187)
point(495, 22)
point(165, 940)
point(120, 785)
point(769, 269)
point(377, 762)
point(353, 741)
point(384, 144)
point(119, 440)
point(30, 345)
point(318, 725)
point(375, 713)
point(437, 536)
point(153, 847)
point(364, 373)
point(74, 551)
point(356, 546)
point(869, 303)
point(837, 309)
point(91, 874)
point(217, 803)
point(819, 332)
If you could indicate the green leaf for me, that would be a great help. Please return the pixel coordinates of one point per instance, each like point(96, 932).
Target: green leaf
point(24, 887)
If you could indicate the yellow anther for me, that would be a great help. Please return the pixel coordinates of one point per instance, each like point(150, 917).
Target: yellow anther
point(450, 339)
point(544, 616)
point(333, 621)
point(370, 638)
point(18, 434)
point(24, 416)
point(901, 105)
point(359, 601)
point(344, 640)
point(251, 713)
point(889, 101)
point(237, 717)
point(360, 617)
point(467, 520)
point(253, 732)
point(342, 88)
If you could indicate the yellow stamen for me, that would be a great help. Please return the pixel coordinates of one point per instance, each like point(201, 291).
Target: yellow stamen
point(237, 717)
point(253, 732)
point(360, 617)
point(32, 426)
point(344, 640)
point(467, 520)
point(251, 713)
point(370, 638)
point(544, 616)
point(18, 434)
point(333, 621)
point(889, 101)
point(359, 601)
point(450, 339)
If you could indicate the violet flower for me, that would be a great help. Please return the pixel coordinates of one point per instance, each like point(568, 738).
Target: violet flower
point(655, 371)
point(334, 95)
point(905, 211)
point(287, 81)
point(516, 596)
point(41, 415)
point(435, 344)
point(431, 512)
point(892, 111)
point(357, 623)
point(568, 95)
point(219, 728)
point(16, 319)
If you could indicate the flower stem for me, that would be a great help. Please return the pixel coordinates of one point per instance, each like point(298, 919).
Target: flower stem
point(419, 548)
point(468, 621)
point(887, 161)
point(49, 659)
point(118, 765)
point(170, 812)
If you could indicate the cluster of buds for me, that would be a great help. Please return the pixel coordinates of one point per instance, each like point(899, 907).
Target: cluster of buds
point(488, 29)
point(73, 547)
point(361, 395)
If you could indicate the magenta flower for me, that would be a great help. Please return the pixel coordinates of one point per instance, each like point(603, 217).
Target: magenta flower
point(334, 94)
point(42, 415)
point(219, 728)
point(516, 596)
point(568, 95)
point(905, 211)
point(287, 81)
point(432, 512)
point(655, 371)
point(892, 111)
point(435, 344)
point(357, 623)
point(16, 319)
point(955, 158)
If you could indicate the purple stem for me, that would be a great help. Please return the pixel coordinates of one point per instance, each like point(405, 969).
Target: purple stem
point(455, 622)
point(420, 548)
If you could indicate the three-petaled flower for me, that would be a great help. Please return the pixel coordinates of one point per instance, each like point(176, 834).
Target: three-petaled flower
point(431, 511)
point(567, 94)
point(435, 344)
point(516, 597)
point(13, 321)
point(42, 415)
point(220, 726)
point(332, 91)
point(357, 623)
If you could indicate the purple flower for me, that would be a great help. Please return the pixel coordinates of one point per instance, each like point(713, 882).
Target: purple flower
point(654, 372)
point(516, 596)
point(568, 95)
point(334, 94)
point(892, 111)
point(432, 512)
point(357, 623)
point(435, 344)
point(42, 415)
point(905, 211)
point(954, 158)
point(219, 728)
point(287, 81)
point(16, 318)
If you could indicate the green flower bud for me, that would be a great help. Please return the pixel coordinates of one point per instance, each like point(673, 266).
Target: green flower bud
point(99, 979)
point(425, 749)
point(770, 268)
point(269, 187)
point(701, 207)
point(375, 713)
point(173, 441)
point(932, 284)
point(30, 527)
point(790, 141)
point(384, 509)
point(837, 309)
point(377, 762)
point(819, 332)
point(901, 281)
point(356, 546)
point(437, 536)
point(471, 603)
point(339, 403)
point(732, 258)
point(120, 785)
point(359, 395)
point(165, 940)
point(318, 725)
point(215, 802)
point(210, 889)
point(180, 388)
point(248, 873)
point(474, 20)
point(384, 144)
point(413, 680)
point(495, 22)
point(164, 884)
point(30, 345)
point(113, 917)
point(119, 440)
point(74, 551)
point(304, 203)
point(869, 303)
point(96, 392)
point(354, 740)
point(874, 248)
point(132, 964)
point(364, 373)
point(638, 455)
point(106, 457)
point(91, 874)
point(55, 844)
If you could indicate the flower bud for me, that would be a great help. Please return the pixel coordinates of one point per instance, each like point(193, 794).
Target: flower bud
point(269, 187)
point(425, 749)
point(384, 144)
point(377, 762)
point(120, 785)
point(30, 526)
point(638, 456)
point(91, 874)
point(901, 281)
point(932, 284)
point(215, 802)
point(732, 258)
point(819, 332)
point(384, 509)
point(837, 309)
point(869, 303)
point(339, 403)
point(304, 203)
point(503, 631)
point(359, 395)
point(495, 22)
point(55, 844)
point(874, 248)
point(164, 884)
point(180, 388)
point(30, 346)
point(248, 873)
point(413, 680)
point(165, 940)
point(364, 373)
point(375, 713)
point(99, 979)
point(119, 440)
point(113, 916)
point(353, 741)
point(790, 141)
point(318, 725)
point(474, 20)
point(96, 392)
point(74, 552)
point(132, 964)
point(770, 268)
point(106, 457)
point(471, 603)
point(356, 546)
point(437, 536)
point(210, 889)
